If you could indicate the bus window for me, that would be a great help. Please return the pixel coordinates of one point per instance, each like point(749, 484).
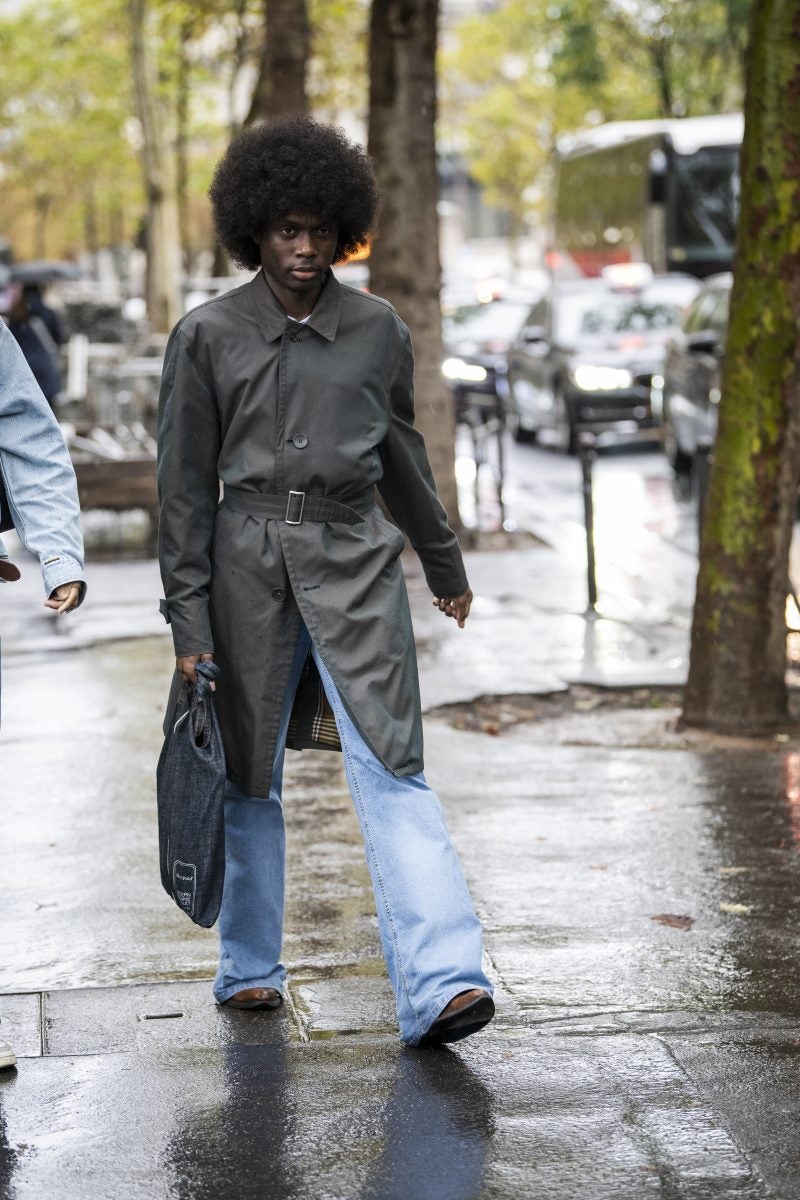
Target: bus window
point(704, 208)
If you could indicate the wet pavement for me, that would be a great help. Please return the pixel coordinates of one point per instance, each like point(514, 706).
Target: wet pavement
point(639, 896)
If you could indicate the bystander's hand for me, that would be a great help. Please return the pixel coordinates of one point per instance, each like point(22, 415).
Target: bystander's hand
point(187, 664)
point(458, 607)
point(64, 598)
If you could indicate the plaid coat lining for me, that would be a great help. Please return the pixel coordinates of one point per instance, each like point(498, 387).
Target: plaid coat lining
point(312, 725)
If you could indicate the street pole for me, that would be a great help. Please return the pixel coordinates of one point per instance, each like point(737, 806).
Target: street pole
point(703, 457)
point(588, 455)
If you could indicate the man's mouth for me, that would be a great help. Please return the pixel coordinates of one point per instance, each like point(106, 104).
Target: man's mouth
point(304, 272)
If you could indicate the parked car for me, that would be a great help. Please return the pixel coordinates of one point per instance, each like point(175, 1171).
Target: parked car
point(588, 350)
point(687, 392)
point(477, 338)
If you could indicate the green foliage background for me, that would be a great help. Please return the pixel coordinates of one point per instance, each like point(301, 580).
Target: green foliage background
point(514, 76)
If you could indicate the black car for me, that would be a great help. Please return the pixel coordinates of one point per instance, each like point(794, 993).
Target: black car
point(477, 338)
point(687, 391)
point(588, 350)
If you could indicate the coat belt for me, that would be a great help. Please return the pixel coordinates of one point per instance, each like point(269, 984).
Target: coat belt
point(296, 507)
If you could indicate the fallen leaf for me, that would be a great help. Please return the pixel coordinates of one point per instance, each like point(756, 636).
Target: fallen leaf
point(743, 910)
point(674, 921)
point(598, 867)
point(733, 870)
point(492, 728)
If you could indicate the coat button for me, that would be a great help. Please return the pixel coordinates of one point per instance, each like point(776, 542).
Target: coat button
point(279, 594)
point(299, 441)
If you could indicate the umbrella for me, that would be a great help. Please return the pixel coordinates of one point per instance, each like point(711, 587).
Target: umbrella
point(43, 271)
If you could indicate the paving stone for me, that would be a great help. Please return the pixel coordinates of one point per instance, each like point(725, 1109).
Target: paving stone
point(363, 1119)
point(20, 1023)
point(150, 1016)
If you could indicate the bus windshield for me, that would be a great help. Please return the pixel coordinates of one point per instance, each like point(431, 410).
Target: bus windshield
point(705, 204)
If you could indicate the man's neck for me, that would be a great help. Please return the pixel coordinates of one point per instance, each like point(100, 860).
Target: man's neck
point(297, 305)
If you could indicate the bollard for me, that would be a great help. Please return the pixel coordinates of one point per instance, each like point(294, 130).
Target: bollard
point(588, 454)
point(501, 472)
point(701, 470)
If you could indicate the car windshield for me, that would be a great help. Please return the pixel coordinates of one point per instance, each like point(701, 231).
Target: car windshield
point(605, 316)
point(499, 321)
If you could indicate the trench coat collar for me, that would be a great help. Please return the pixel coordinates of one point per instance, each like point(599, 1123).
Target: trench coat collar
point(324, 318)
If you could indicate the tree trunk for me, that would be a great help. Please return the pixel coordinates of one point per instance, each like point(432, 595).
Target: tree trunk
point(738, 657)
point(42, 205)
point(660, 59)
point(404, 262)
point(280, 90)
point(162, 286)
point(182, 144)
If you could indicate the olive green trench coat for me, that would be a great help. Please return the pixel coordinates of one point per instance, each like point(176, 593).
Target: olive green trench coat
point(268, 406)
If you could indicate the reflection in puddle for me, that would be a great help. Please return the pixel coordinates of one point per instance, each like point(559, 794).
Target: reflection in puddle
point(412, 1126)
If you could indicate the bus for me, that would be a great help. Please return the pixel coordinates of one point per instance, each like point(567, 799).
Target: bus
point(663, 192)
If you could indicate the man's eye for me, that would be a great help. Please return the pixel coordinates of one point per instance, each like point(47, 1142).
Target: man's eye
point(324, 231)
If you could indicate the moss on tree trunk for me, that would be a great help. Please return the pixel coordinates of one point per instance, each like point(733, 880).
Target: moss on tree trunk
point(738, 655)
point(404, 263)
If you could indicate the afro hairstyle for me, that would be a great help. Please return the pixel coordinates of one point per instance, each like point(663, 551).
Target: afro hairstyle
point(295, 165)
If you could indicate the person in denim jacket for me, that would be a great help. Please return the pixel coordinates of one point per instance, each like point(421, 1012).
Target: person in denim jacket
point(38, 493)
point(38, 496)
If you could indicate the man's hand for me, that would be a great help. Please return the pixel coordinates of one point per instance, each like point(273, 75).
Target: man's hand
point(64, 598)
point(187, 664)
point(458, 607)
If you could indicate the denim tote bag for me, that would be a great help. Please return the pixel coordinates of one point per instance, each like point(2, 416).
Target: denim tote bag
point(190, 781)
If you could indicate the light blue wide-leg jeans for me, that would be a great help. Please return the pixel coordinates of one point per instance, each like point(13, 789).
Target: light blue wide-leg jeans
point(430, 934)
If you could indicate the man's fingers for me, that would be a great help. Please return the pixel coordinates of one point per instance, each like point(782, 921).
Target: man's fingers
point(64, 598)
point(458, 607)
point(187, 666)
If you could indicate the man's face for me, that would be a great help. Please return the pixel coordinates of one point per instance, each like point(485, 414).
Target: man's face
point(296, 252)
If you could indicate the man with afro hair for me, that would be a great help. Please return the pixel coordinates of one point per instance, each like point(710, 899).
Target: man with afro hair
point(295, 393)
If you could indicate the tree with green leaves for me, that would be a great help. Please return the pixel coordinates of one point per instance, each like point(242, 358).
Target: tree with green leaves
point(518, 75)
point(70, 177)
point(738, 656)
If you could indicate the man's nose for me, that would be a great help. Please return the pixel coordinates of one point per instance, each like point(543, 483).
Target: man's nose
point(306, 245)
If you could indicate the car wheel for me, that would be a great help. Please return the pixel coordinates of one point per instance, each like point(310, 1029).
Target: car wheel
point(566, 438)
point(678, 459)
point(519, 432)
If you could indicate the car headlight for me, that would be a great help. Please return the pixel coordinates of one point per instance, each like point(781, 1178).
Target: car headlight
point(600, 379)
point(456, 368)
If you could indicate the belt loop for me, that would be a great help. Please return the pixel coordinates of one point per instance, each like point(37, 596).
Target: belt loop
point(294, 508)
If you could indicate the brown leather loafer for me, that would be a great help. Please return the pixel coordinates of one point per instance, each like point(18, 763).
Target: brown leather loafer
point(8, 570)
point(464, 1015)
point(254, 998)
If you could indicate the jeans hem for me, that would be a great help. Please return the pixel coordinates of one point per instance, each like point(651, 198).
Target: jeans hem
point(226, 993)
point(441, 1002)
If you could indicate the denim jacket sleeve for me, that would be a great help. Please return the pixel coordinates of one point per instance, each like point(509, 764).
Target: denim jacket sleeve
point(37, 473)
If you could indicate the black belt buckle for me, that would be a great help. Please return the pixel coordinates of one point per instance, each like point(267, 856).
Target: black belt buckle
point(294, 508)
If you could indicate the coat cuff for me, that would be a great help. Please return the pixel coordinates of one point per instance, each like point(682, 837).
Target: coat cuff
point(191, 628)
point(62, 568)
point(446, 584)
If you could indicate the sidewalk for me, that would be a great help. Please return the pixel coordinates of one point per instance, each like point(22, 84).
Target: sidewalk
point(634, 1054)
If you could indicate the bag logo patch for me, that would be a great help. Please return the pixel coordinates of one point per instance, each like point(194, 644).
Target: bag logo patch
point(184, 883)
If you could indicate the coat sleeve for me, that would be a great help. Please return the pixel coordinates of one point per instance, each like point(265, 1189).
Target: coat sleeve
point(36, 472)
point(408, 488)
point(188, 490)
